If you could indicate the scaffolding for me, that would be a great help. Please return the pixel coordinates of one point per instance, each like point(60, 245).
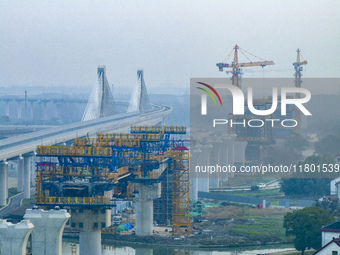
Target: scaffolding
point(180, 192)
point(162, 206)
point(80, 175)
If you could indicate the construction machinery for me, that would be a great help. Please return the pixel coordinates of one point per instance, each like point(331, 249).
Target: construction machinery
point(83, 176)
point(236, 65)
point(297, 81)
point(257, 137)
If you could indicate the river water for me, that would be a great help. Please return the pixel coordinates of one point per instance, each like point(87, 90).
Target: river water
point(162, 250)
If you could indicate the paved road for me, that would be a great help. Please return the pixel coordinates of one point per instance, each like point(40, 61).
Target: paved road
point(14, 204)
point(274, 184)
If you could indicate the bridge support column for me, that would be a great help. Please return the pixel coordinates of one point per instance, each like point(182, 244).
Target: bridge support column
point(3, 183)
point(144, 207)
point(27, 177)
point(193, 181)
point(203, 178)
point(90, 242)
point(59, 110)
point(44, 111)
point(231, 152)
point(32, 171)
point(7, 108)
point(6, 177)
point(20, 175)
point(30, 111)
point(48, 230)
point(89, 222)
point(223, 158)
point(213, 161)
point(240, 150)
point(14, 237)
point(19, 109)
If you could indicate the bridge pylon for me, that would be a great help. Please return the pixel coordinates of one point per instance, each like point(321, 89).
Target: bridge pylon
point(140, 99)
point(101, 101)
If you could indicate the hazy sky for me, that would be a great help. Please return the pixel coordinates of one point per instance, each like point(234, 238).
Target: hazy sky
point(62, 42)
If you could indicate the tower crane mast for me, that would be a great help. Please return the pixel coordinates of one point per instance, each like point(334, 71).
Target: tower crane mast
point(297, 81)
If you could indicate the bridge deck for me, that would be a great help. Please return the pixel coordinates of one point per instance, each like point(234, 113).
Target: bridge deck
point(11, 148)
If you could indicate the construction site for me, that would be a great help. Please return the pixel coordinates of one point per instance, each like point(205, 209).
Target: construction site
point(89, 178)
point(83, 183)
point(259, 137)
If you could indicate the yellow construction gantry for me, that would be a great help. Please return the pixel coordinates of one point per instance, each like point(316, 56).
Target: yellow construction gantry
point(108, 160)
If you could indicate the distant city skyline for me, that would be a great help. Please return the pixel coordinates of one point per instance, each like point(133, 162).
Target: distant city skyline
point(61, 43)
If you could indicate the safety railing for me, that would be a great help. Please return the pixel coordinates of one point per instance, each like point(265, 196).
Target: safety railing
point(179, 155)
point(86, 171)
point(84, 141)
point(158, 129)
point(73, 151)
point(102, 136)
point(109, 137)
point(73, 200)
point(119, 142)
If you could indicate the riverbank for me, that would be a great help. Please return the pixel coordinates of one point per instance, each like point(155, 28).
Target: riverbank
point(192, 242)
point(215, 225)
point(274, 249)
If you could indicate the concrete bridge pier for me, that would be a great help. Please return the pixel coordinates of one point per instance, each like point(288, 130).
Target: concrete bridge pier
point(20, 175)
point(240, 151)
point(3, 182)
point(193, 181)
point(90, 242)
point(223, 158)
point(89, 221)
point(48, 230)
point(59, 111)
point(203, 177)
point(27, 176)
point(213, 161)
point(14, 237)
point(20, 115)
point(30, 111)
point(6, 178)
point(144, 207)
point(231, 152)
point(7, 108)
point(32, 169)
point(19, 109)
point(44, 110)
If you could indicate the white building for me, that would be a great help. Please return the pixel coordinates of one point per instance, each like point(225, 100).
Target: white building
point(329, 232)
point(331, 248)
point(333, 186)
point(337, 188)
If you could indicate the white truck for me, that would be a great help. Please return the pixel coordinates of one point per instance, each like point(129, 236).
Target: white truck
point(116, 219)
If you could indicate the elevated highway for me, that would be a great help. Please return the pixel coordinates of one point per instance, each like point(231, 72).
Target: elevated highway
point(12, 148)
